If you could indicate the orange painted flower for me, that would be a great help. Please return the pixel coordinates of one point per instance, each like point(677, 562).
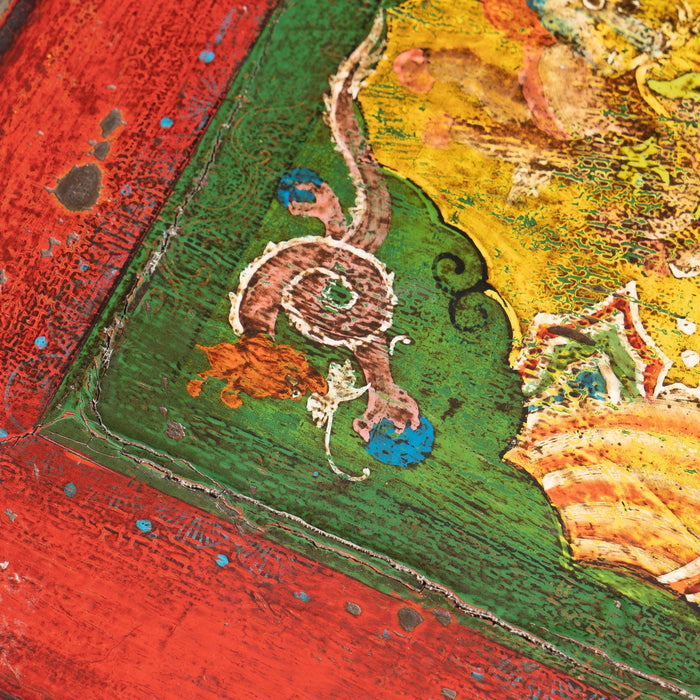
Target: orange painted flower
point(256, 367)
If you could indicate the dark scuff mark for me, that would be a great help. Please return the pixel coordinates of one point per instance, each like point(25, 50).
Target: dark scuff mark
point(111, 122)
point(175, 430)
point(353, 608)
point(409, 619)
point(571, 333)
point(14, 22)
point(443, 616)
point(455, 405)
point(101, 150)
point(80, 188)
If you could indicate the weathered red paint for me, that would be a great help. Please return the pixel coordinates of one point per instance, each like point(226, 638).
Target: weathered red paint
point(166, 73)
point(96, 602)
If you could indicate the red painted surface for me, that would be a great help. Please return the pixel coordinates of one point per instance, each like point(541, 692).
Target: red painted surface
point(153, 61)
point(94, 604)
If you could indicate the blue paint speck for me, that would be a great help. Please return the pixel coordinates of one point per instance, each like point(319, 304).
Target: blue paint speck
point(401, 449)
point(126, 190)
point(3, 433)
point(287, 190)
point(593, 383)
point(166, 122)
point(222, 560)
point(385, 634)
point(303, 597)
point(478, 676)
point(316, 473)
point(84, 267)
point(207, 56)
point(224, 26)
point(41, 342)
point(144, 525)
point(70, 489)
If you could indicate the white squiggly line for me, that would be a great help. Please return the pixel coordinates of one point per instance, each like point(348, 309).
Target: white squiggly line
point(399, 339)
point(339, 472)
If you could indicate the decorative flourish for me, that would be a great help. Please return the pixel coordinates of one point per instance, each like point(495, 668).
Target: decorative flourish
point(623, 480)
point(333, 293)
point(466, 299)
point(334, 290)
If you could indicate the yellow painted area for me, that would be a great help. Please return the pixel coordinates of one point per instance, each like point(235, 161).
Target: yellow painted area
point(583, 236)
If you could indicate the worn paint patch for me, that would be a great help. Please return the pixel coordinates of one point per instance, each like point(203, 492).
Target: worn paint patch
point(409, 618)
point(111, 122)
point(80, 188)
point(101, 150)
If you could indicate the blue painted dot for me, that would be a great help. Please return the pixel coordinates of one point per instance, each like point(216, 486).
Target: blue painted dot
point(222, 560)
point(593, 383)
point(401, 449)
point(144, 525)
point(84, 267)
point(207, 56)
point(3, 433)
point(316, 473)
point(41, 342)
point(166, 122)
point(478, 676)
point(126, 190)
point(70, 489)
point(303, 597)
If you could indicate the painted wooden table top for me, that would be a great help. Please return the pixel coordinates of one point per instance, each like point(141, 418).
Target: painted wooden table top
point(349, 348)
